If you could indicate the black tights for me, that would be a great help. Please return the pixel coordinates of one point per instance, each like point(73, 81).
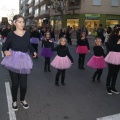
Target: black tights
point(99, 73)
point(62, 73)
point(18, 79)
point(47, 62)
point(113, 71)
point(81, 60)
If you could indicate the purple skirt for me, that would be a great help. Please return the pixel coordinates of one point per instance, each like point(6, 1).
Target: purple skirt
point(97, 62)
point(34, 40)
point(113, 58)
point(43, 37)
point(53, 39)
point(61, 62)
point(46, 52)
point(18, 62)
point(82, 49)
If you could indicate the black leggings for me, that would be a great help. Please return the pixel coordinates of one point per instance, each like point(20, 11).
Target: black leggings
point(113, 71)
point(81, 60)
point(62, 73)
point(99, 73)
point(47, 61)
point(18, 79)
point(35, 46)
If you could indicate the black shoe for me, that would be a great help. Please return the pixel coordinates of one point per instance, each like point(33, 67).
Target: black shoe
point(24, 104)
point(82, 68)
point(49, 70)
point(113, 90)
point(109, 91)
point(56, 83)
point(63, 83)
point(14, 106)
point(98, 80)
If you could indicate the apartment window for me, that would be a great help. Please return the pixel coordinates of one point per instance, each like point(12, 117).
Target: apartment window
point(41, 1)
point(96, 2)
point(36, 12)
point(115, 2)
point(43, 8)
point(30, 10)
point(36, 2)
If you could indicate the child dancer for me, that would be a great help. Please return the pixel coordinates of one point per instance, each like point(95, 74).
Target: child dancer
point(113, 60)
point(97, 61)
point(82, 49)
point(46, 51)
point(62, 61)
point(17, 60)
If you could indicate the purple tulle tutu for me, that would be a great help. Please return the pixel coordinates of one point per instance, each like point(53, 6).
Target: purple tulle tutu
point(46, 52)
point(53, 39)
point(82, 49)
point(97, 62)
point(18, 62)
point(43, 38)
point(61, 62)
point(34, 40)
point(113, 58)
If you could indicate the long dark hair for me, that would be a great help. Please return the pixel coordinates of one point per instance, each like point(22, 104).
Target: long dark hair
point(14, 20)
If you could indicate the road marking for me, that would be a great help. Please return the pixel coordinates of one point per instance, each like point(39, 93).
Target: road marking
point(12, 115)
point(2, 54)
point(112, 117)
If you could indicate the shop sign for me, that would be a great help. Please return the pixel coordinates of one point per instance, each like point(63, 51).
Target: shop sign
point(92, 16)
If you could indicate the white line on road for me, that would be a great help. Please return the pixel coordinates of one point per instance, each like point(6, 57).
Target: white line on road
point(12, 115)
point(112, 117)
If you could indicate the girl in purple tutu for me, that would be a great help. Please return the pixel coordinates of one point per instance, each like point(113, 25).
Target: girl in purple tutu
point(17, 60)
point(113, 60)
point(62, 61)
point(82, 49)
point(97, 61)
point(46, 51)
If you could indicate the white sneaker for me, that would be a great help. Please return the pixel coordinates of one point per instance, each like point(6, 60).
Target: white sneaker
point(24, 104)
point(14, 106)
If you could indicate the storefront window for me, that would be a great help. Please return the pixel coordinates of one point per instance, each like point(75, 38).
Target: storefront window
point(74, 23)
point(58, 24)
point(91, 25)
point(111, 23)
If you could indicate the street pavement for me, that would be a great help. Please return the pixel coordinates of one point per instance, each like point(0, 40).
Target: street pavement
point(80, 99)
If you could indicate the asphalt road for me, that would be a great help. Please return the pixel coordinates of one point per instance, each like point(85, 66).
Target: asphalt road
point(80, 99)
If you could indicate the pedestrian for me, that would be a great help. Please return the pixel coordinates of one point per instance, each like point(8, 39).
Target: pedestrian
point(100, 33)
point(113, 60)
point(62, 61)
point(52, 34)
point(97, 61)
point(106, 35)
point(17, 60)
point(46, 51)
point(82, 50)
point(35, 39)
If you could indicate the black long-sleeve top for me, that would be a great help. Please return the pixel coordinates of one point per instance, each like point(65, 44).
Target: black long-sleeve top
point(35, 34)
point(47, 44)
point(63, 51)
point(83, 42)
point(113, 46)
point(18, 43)
point(98, 51)
point(5, 32)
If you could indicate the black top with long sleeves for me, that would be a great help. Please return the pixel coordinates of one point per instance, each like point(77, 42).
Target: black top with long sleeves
point(18, 43)
point(113, 46)
point(47, 44)
point(35, 34)
point(63, 51)
point(83, 42)
point(98, 51)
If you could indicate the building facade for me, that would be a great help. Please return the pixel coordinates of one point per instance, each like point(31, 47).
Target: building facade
point(73, 13)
